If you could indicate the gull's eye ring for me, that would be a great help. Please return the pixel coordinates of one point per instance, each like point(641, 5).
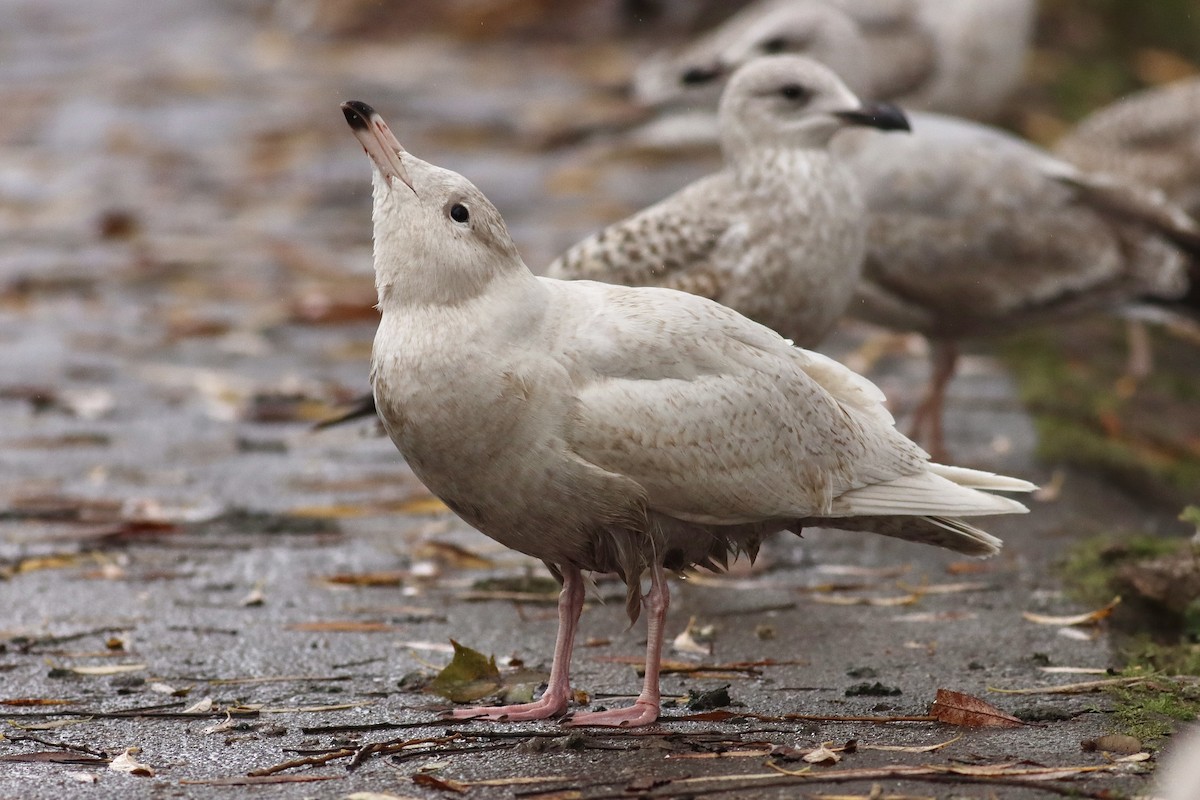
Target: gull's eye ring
point(459, 213)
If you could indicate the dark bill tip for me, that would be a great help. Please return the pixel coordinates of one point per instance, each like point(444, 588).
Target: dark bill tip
point(698, 76)
point(358, 114)
point(884, 116)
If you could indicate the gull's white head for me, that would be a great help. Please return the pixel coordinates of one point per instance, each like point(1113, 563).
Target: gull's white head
point(438, 240)
point(814, 28)
point(793, 102)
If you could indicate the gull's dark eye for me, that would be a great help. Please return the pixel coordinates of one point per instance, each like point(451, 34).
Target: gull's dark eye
point(698, 75)
point(795, 92)
point(776, 44)
point(459, 213)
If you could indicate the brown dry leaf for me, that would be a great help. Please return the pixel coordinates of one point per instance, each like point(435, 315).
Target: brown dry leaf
point(389, 579)
point(451, 555)
point(37, 701)
point(958, 708)
point(127, 763)
point(422, 505)
point(108, 669)
point(969, 567)
point(341, 626)
point(434, 782)
point(1089, 618)
point(334, 511)
point(57, 561)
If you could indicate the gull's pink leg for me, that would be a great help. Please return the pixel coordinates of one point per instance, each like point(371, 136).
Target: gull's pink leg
point(645, 709)
point(929, 412)
point(553, 702)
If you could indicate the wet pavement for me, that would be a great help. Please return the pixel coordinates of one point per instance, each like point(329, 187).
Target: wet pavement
point(185, 285)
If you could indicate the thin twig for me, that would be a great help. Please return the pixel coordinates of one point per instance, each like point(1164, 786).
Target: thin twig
point(29, 737)
point(307, 761)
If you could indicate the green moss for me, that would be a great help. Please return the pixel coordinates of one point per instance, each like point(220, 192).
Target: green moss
point(1142, 437)
point(1090, 568)
point(1155, 708)
point(1141, 652)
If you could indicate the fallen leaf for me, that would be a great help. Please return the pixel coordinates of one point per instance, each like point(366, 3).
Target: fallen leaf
point(422, 505)
point(389, 579)
point(37, 701)
point(1089, 618)
point(127, 763)
point(434, 782)
point(254, 598)
point(469, 676)
point(958, 708)
point(689, 641)
point(220, 727)
point(202, 706)
point(822, 755)
point(968, 567)
point(452, 555)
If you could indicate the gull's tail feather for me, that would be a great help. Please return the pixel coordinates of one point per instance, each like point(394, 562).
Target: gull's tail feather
point(925, 508)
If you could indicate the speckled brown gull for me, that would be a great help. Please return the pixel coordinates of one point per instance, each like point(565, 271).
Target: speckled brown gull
point(974, 232)
point(1151, 137)
point(630, 430)
point(779, 233)
point(957, 56)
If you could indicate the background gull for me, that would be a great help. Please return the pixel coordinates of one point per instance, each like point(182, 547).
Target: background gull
point(779, 233)
point(635, 430)
point(943, 55)
point(1151, 137)
point(974, 232)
